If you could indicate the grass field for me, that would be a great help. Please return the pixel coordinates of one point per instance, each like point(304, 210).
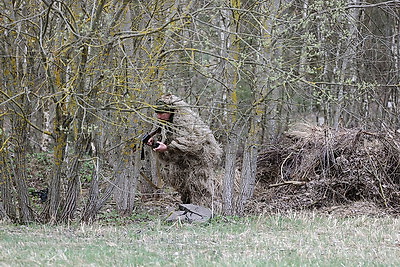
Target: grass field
point(295, 239)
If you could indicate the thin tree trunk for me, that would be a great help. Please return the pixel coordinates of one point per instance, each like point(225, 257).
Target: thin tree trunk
point(230, 42)
point(61, 124)
point(6, 187)
point(3, 213)
point(228, 192)
point(249, 165)
point(73, 189)
point(20, 130)
point(348, 65)
point(272, 121)
point(128, 174)
point(93, 204)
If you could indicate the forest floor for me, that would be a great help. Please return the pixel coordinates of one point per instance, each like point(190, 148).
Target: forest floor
point(344, 172)
point(354, 233)
point(315, 170)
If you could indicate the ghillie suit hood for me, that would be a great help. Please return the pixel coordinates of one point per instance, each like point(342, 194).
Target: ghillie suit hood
point(193, 153)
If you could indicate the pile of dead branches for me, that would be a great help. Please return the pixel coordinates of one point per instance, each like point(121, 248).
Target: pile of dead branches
point(318, 167)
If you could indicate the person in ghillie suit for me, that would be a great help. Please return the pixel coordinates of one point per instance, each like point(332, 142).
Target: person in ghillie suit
point(187, 149)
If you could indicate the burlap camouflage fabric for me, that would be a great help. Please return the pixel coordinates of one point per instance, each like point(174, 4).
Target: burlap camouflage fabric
point(193, 154)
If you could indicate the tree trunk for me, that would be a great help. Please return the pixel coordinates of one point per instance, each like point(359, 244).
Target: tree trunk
point(73, 188)
point(128, 175)
point(93, 204)
point(348, 70)
point(96, 201)
point(20, 130)
point(265, 86)
point(228, 189)
point(249, 165)
point(6, 187)
point(61, 125)
point(231, 50)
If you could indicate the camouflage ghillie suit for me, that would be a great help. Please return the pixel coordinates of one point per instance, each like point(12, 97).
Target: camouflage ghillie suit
point(193, 154)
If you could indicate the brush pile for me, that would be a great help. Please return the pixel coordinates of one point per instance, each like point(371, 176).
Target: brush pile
point(319, 167)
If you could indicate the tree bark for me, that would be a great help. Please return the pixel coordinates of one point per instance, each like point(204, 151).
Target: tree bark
point(61, 124)
point(348, 70)
point(249, 164)
point(228, 186)
point(20, 130)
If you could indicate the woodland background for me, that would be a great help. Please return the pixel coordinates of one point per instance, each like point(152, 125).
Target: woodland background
point(78, 79)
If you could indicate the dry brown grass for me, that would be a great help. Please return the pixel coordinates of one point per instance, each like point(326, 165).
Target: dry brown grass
point(319, 167)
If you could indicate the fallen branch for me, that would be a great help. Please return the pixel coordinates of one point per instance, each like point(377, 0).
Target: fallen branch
point(287, 183)
point(149, 181)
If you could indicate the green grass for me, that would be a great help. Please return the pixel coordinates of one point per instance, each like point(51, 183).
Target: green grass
point(296, 239)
